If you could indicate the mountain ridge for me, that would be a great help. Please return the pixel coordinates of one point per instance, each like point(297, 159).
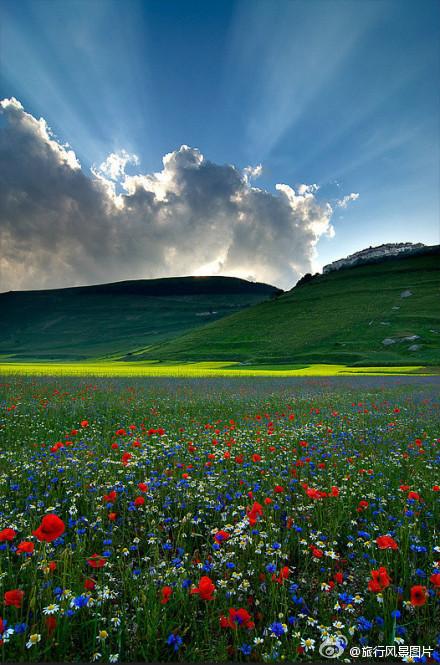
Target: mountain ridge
point(77, 323)
point(382, 311)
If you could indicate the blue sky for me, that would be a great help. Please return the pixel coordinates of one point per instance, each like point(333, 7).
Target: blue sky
point(341, 93)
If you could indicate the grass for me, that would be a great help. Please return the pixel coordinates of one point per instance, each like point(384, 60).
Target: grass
point(280, 492)
point(116, 319)
point(338, 318)
point(201, 369)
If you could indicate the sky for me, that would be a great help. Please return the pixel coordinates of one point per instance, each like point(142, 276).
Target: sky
point(258, 139)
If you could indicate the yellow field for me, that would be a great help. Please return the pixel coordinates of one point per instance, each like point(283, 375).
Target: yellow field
point(200, 369)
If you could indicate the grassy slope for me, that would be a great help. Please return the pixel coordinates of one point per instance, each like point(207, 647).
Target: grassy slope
point(341, 317)
point(85, 322)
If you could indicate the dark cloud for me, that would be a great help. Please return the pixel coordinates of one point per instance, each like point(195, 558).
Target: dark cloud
point(60, 226)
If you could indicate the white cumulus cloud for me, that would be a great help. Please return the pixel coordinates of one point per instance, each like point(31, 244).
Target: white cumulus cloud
point(61, 226)
point(114, 166)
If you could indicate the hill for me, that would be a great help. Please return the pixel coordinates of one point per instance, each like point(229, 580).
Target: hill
point(381, 313)
point(114, 319)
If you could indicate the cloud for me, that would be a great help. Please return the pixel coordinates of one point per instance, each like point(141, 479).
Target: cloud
point(114, 166)
point(61, 226)
point(343, 203)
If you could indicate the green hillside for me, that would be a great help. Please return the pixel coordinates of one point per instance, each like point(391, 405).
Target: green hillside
point(356, 315)
point(116, 319)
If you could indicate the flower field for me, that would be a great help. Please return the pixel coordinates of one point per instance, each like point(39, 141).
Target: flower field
point(218, 519)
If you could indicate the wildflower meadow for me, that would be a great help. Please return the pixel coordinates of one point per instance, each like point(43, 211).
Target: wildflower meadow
point(153, 519)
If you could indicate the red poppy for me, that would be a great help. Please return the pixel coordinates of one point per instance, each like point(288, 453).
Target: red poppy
point(418, 595)
point(7, 535)
point(126, 457)
point(89, 584)
point(314, 493)
point(284, 575)
point(221, 536)
point(435, 580)
point(56, 447)
point(205, 588)
point(386, 543)
point(237, 618)
point(255, 512)
point(166, 593)
point(316, 552)
point(379, 580)
point(84, 423)
point(97, 561)
point(51, 623)
point(139, 501)
point(25, 547)
point(110, 497)
point(143, 487)
point(51, 528)
point(14, 598)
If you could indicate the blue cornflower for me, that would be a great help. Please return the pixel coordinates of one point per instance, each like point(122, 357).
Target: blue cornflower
point(246, 649)
point(174, 641)
point(277, 628)
point(80, 601)
point(364, 625)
